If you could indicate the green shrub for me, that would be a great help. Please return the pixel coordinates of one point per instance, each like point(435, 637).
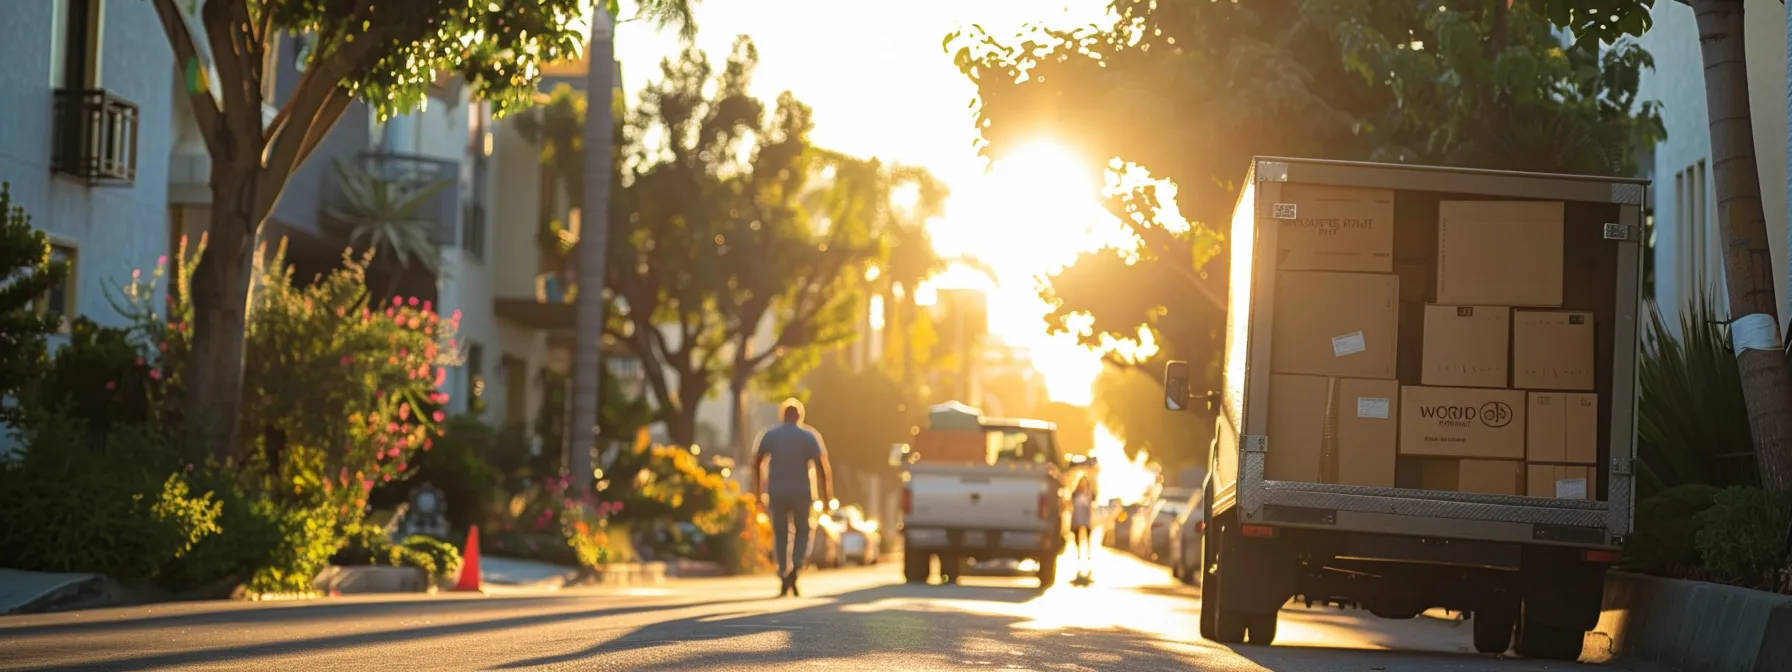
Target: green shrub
point(266, 546)
point(1665, 527)
point(362, 544)
point(434, 556)
point(25, 275)
point(457, 466)
point(1742, 537)
point(111, 503)
point(1692, 426)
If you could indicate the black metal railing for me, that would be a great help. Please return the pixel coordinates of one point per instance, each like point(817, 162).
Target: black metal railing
point(95, 137)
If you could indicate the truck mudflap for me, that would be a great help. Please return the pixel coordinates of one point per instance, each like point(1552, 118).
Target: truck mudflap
point(981, 543)
point(1564, 522)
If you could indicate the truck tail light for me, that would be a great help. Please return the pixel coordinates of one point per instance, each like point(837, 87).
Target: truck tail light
point(1259, 531)
point(908, 501)
point(1201, 527)
point(1601, 556)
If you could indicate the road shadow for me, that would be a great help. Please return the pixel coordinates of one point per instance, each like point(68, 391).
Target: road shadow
point(281, 612)
point(917, 623)
point(234, 654)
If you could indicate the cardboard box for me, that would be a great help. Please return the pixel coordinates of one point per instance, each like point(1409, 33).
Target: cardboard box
point(1327, 228)
point(1552, 350)
point(1462, 422)
point(1562, 428)
point(1336, 324)
point(1332, 430)
point(1560, 481)
point(1490, 477)
point(1500, 253)
point(1465, 346)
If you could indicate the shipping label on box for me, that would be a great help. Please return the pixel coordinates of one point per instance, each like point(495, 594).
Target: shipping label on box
point(1560, 481)
point(1489, 477)
point(1552, 350)
point(1327, 228)
point(1501, 253)
point(1332, 430)
point(1462, 422)
point(1562, 427)
point(1336, 324)
point(1465, 346)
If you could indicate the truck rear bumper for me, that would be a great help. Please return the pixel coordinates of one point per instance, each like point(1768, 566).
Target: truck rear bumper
point(1496, 518)
point(980, 543)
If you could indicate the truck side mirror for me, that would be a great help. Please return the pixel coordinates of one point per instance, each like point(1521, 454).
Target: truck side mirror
point(1176, 386)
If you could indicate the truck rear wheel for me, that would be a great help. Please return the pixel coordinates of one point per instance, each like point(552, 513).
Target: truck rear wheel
point(1048, 572)
point(952, 567)
point(1548, 642)
point(1493, 630)
point(1262, 628)
point(916, 566)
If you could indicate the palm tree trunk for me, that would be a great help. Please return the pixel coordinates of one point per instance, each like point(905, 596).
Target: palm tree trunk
point(593, 251)
point(1766, 380)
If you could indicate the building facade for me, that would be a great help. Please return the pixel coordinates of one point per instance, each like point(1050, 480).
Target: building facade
point(1688, 258)
point(84, 148)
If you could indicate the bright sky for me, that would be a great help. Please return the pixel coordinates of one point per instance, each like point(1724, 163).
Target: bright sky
point(881, 85)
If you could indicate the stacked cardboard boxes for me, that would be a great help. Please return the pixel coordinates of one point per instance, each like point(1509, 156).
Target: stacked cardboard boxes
point(1333, 397)
point(1503, 405)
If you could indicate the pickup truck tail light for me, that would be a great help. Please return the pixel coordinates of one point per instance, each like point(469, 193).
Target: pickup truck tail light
point(1259, 531)
point(908, 501)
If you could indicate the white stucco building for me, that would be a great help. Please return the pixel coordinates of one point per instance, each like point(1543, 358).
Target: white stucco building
point(1687, 241)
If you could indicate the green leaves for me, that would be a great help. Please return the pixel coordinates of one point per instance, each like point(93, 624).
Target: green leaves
point(384, 214)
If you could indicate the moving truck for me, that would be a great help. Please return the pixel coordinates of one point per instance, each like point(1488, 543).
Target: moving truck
point(1007, 504)
point(1428, 399)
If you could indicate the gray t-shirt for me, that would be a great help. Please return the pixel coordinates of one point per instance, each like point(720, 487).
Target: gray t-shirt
point(790, 449)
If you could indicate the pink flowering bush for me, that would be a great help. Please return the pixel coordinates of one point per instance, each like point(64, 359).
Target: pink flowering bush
point(340, 395)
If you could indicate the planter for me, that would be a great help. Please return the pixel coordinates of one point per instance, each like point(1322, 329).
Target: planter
point(624, 574)
point(335, 580)
point(1696, 625)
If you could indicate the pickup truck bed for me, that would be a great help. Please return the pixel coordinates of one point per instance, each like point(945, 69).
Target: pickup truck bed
point(960, 513)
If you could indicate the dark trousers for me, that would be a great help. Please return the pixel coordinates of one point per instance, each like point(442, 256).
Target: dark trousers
point(790, 511)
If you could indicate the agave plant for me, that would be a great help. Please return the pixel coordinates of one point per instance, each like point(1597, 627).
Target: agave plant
point(1692, 427)
point(383, 214)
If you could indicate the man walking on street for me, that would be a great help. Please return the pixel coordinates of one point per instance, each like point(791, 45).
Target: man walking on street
point(791, 447)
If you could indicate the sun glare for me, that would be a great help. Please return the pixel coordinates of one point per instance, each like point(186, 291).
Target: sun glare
point(1029, 215)
point(1123, 479)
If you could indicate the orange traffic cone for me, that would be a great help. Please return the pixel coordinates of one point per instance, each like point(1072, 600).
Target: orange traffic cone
point(469, 566)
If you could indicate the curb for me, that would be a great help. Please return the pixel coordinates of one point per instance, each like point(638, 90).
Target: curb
point(1696, 625)
point(365, 579)
point(623, 574)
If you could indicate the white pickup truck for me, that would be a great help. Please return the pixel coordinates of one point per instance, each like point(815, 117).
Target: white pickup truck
point(1011, 507)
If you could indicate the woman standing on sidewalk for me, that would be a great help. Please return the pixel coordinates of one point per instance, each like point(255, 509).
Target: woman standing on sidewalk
point(1082, 504)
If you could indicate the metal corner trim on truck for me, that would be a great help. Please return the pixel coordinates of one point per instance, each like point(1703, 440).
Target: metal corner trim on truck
point(1529, 569)
point(1005, 503)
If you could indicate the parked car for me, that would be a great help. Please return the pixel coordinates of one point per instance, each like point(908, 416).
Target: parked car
point(825, 542)
point(1126, 525)
point(1170, 505)
point(859, 539)
point(1185, 541)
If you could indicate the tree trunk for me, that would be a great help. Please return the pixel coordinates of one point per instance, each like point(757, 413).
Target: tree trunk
point(1766, 381)
point(594, 237)
point(737, 411)
point(681, 424)
point(220, 294)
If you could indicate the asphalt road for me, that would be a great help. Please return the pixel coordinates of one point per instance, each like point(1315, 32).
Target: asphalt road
point(1133, 618)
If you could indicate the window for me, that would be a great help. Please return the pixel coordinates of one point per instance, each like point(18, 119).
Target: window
point(1700, 260)
point(473, 224)
point(475, 366)
point(79, 28)
point(516, 390)
point(60, 300)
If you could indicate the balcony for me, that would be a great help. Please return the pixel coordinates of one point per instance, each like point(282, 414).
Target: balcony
point(95, 137)
point(411, 171)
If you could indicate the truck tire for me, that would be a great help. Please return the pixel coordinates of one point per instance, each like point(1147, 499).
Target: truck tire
point(1048, 572)
point(1217, 624)
point(951, 568)
point(916, 567)
point(1262, 628)
point(1548, 642)
point(1493, 629)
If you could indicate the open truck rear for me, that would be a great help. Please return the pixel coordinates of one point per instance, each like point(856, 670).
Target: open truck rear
point(1429, 399)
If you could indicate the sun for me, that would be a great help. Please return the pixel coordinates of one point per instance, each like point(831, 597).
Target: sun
point(1030, 214)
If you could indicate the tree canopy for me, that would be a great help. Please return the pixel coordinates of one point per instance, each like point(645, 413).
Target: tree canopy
point(1187, 93)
